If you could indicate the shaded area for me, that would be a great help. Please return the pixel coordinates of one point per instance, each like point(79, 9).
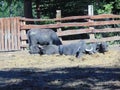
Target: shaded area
point(78, 36)
point(74, 78)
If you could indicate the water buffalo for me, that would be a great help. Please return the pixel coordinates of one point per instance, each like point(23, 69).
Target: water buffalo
point(37, 37)
point(49, 49)
point(96, 47)
point(76, 49)
point(103, 47)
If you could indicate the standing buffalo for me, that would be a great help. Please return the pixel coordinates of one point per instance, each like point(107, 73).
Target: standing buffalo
point(38, 37)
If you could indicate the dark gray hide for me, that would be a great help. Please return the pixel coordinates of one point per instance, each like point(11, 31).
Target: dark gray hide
point(96, 47)
point(49, 49)
point(103, 47)
point(75, 49)
point(38, 37)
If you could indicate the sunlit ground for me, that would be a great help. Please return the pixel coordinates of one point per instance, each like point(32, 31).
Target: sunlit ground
point(20, 70)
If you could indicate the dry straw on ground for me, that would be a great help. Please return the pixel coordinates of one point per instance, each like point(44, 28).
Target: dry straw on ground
point(25, 60)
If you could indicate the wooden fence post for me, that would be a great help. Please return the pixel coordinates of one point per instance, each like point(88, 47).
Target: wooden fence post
point(58, 15)
point(23, 34)
point(91, 13)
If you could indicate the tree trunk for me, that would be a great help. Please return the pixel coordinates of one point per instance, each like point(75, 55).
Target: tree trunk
point(28, 9)
point(38, 8)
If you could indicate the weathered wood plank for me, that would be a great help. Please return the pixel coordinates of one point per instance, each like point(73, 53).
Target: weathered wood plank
point(114, 38)
point(94, 40)
point(106, 30)
point(5, 34)
point(101, 16)
point(74, 32)
point(15, 34)
point(104, 16)
point(0, 35)
point(23, 34)
point(86, 40)
point(9, 34)
point(12, 33)
point(57, 19)
point(18, 32)
point(82, 31)
point(2, 32)
point(85, 24)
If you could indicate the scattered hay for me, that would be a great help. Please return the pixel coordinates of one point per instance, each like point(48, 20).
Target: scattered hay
point(24, 60)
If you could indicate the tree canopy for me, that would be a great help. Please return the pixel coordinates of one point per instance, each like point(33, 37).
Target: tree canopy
point(11, 8)
point(47, 8)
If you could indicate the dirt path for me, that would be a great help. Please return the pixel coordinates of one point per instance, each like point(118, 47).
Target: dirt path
point(22, 71)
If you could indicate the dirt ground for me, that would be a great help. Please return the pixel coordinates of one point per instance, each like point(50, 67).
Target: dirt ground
point(22, 71)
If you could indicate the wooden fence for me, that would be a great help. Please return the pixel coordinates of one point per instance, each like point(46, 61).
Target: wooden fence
point(13, 30)
point(88, 26)
point(9, 34)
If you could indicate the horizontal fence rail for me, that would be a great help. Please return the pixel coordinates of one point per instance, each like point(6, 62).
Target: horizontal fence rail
point(79, 31)
point(103, 16)
point(59, 25)
point(88, 22)
point(94, 40)
point(13, 30)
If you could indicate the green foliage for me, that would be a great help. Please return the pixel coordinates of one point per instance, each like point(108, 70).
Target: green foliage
point(11, 8)
point(117, 4)
point(45, 22)
point(69, 7)
point(3, 9)
point(106, 9)
point(98, 36)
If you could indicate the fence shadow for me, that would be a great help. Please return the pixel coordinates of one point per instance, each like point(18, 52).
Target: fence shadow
point(75, 78)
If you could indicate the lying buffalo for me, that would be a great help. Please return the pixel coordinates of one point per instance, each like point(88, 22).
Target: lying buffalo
point(74, 49)
point(97, 47)
point(102, 47)
point(49, 49)
point(38, 37)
